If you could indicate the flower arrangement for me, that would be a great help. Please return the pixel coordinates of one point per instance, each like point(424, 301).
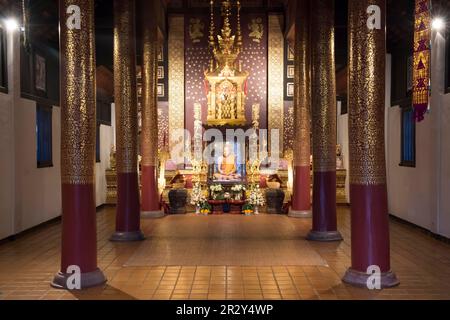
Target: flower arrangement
point(256, 197)
point(247, 209)
point(205, 208)
point(216, 190)
point(237, 191)
point(238, 188)
point(198, 197)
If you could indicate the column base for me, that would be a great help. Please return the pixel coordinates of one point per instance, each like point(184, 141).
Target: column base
point(127, 236)
point(88, 280)
point(152, 214)
point(324, 236)
point(359, 279)
point(299, 214)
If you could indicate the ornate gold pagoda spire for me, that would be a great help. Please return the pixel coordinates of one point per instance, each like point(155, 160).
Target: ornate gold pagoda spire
point(228, 46)
point(226, 79)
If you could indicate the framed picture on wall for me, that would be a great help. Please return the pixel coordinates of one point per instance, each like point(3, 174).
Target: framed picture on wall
point(161, 53)
point(290, 71)
point(40, 73)
point(3, 73)
point(160, 72)
point(160, 89)
point(290, 53)
point(290, 89)
point(447, 63)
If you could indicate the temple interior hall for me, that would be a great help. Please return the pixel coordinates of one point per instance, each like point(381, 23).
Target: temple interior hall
point(224, 150)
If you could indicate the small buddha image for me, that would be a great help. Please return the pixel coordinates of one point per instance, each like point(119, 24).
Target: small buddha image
point(339, 157)
point(226, 165)
point(256, 29)
point(196, 28)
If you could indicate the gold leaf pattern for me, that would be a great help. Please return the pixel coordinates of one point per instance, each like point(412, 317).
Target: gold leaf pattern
point(176, 75)
point(276, 75)
point(125, 86)
point(366, 95)
point(323, 86)
point(78, 98)
point(302, 93)
point(149, 134)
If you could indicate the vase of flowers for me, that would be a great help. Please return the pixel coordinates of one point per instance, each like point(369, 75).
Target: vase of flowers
point(205, 208)
point(256, 198)
point(216, 191)
point(198, 197)
point(247, 209)
point(237, 191)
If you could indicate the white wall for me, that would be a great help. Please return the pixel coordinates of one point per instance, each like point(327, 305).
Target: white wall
point(30, 195)
point(38, 190)
point(342, 139)
point(411, 191)
point(420, 195)
point(444, 176)
point(7, 183)
point(106, 142)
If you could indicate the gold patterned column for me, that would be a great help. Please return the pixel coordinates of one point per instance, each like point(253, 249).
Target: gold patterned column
point(176, 79)
point(276, 77)
point(150, 206)
point(366, 92)
point(125, 98)
point(323, 121)
point(78, 113)
point(301, 199)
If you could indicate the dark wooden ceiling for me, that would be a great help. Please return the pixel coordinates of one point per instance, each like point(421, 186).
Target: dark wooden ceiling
point(44, 21)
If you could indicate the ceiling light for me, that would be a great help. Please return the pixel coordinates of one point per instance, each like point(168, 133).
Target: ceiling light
point(11, 24)
point(438, 24)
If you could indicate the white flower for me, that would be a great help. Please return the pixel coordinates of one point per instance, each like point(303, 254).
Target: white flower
point(216, 188)
point(197, 196)
point(237, 188)
point(256, 197)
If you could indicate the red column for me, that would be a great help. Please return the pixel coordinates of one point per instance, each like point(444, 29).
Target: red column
point(78, 117)
point(150, 206)
point(125, 98)
point(323, 122)
point(369, 210)
point(301, 199)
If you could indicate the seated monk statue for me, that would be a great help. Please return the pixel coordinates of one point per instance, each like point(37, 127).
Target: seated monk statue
point(227, 165)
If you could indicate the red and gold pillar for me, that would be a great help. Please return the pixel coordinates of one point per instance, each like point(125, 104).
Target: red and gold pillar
point(323, 122)
point(301, 199)
point(125, 98)
point(150, 206)
point(369, 210)
point(78, 116)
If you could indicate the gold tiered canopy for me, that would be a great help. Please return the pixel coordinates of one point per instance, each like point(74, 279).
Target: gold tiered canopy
point(226, 80)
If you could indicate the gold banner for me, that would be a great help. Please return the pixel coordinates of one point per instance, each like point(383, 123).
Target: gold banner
point(323, 85)
point(276, 76)
point(422, 58)
point(176, 77)
point(367, 61)
point(78, 99)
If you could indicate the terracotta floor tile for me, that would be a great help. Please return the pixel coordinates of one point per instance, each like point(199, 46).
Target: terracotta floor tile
point(253, 268)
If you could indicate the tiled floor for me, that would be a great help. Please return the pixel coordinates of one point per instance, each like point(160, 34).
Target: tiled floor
point(28, 264)
point(226, 240)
